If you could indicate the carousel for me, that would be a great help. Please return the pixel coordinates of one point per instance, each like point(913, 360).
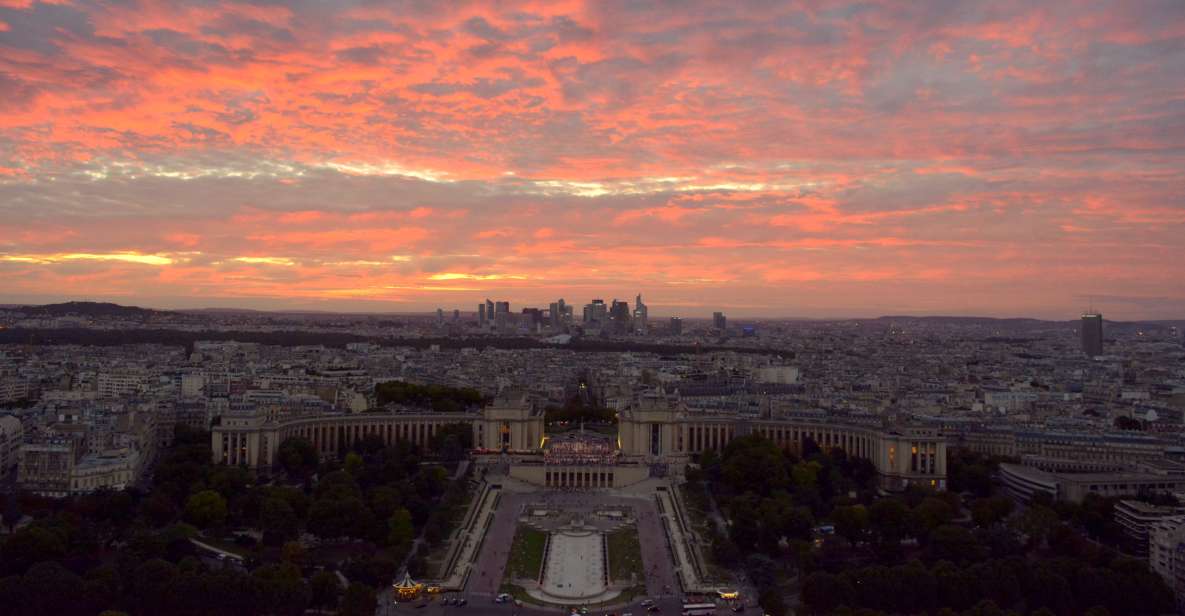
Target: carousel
point(407, 588)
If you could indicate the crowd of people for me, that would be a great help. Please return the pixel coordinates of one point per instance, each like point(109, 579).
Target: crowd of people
point(580, 451)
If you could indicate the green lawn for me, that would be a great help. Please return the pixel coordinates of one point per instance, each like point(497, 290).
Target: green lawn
point(625, 555)
point(526, 553)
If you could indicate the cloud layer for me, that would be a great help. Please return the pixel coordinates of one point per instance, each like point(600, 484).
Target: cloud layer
point(833, 158)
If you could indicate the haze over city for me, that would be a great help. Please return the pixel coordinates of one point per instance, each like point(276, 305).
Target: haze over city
point(592, 308)
point(831, 160)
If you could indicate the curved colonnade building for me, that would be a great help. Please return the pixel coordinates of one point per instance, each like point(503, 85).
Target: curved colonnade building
point(654, 432)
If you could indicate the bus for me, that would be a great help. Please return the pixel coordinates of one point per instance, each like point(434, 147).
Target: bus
point(699, 609)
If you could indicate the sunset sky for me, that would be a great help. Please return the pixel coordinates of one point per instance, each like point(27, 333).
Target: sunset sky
point(831, 159)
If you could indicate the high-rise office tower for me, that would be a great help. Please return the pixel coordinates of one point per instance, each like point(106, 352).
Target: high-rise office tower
point(489, 312)
point(595, 312)
point(440, 316)
point(481, 315)
point(641, 313)
point(719, 321)
point(1092, 334)
point(619, 310)
point(559, 314)
point(456, 314)
point(501, 315)
point(676, 326)
point(619, 314)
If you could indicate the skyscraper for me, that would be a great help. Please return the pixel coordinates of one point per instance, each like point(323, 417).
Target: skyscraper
point(501, 315)
point(489, 312)
point(481, 315)
point(641, 313)
point(619, 314)
point(595, 312)
point(719, 321)
point(1092, 334)
point(560, 313)
point(676, 326)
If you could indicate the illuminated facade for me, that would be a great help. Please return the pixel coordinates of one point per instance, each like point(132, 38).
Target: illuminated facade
point(654, 429)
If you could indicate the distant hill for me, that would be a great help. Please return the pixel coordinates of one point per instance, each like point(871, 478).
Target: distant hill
point(89, 309)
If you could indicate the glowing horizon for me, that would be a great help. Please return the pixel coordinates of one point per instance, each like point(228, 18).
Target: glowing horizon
point(828, 160)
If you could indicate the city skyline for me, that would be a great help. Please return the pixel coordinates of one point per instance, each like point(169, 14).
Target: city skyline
point(836, 161)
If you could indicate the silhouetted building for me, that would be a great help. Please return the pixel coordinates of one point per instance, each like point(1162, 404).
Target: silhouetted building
point(595, 312)
point(619, 314)
point(676, 326)
point(533, 317)
point(481, 315)
point(560, 314)
point(641, 313)
point(501, 315)
point(719, 321)
point(1092, 334)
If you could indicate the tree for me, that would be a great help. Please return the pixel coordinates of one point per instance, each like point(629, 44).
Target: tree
point(332, 517)
point(933, 512)
point(772, 602)
point(278, 521)
point(990, 511)
point(281, 589)
point(293, 552)
point(158, 509)
point(753, 463)
point(354, 464)
point(953, 543)
point(359, 600)
point(326, 588)
point(50, 588)
point(888, 518)
point(1037, 522)
point(12, 512)
point(400, 528)
point(337, 485)
point(205, 509)
point(806, 475)
point(152, 584)
point(823, 592)
point(1127, 423)
point(851, 522)
point(297, 456)
point(384, 500)
point(29, 545)
point(101, 587)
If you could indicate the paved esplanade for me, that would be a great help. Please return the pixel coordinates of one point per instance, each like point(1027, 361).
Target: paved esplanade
point(491, 562)
point(575, 566)
point(490, 567)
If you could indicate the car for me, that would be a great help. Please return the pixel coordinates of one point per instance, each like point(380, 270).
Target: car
point(422, 605)
point(647, 602)
point(653, 609)
point(462, 602)
point(628, 614)
point(738, 608)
